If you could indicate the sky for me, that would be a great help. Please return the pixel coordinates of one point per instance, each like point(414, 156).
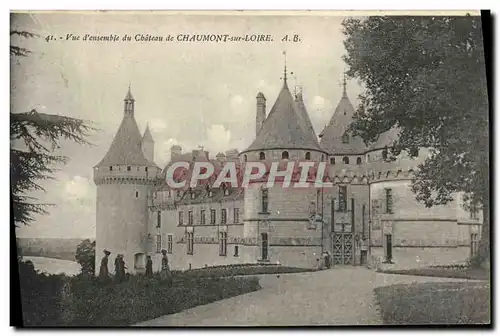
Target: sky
point(191, 94)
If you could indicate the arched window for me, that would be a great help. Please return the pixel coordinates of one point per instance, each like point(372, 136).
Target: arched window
point(332, 161)
point(308, 155)
point(245, 158)
point(110, 168)
point(345, 159)
point(262, 156)
point(358, 160)
point(128, 168)
point(284, 155)
point(345, 138)
point(384, 154)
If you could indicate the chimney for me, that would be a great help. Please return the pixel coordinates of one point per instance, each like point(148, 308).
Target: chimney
point(175, 151)
point(261, 112)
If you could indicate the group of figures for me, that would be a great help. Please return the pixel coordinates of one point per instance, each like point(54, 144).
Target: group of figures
point(120, 267)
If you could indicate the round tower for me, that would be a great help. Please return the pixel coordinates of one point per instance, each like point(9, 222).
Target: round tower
point(124, 180)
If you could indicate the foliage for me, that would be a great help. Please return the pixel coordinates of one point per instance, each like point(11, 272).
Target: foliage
point(85, 256)
point(435, 303)
point(240, 269)
point(37, 135)
point(41, 296)
point(425, 77)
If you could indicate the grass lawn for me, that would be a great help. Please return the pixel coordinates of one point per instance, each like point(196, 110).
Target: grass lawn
point(457, 272)
point(435, 303)
point(241, 269)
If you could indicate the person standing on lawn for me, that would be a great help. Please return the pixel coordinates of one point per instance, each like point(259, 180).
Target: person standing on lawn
point(165, 268)
point(120, 268)
point(149, 267)
point(103, 270)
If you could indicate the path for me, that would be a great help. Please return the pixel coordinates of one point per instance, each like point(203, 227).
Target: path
point(341, 296)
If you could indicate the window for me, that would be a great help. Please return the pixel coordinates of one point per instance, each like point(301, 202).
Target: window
point(202, 217)
point(236, 252)
point(212, 216)
point(245, 158)
point(128, 168)
point(308, 156)
point(158, 243)
point(224, 216)
point(190, 242)
point(384, 154)
point(136, 194)
point(181, 218)
point(178, 193)
point(284, 155)
point(170, 243)
point(210, 193)
point(345, 159)
point(388, 248)
point(388, 201)
point(226, 192)
point(473, 244)
point(190, 218)
point(223, 243)
point(264, 246)
point(264, 200)
point(345, 138)
point(146, 169)
point(262, 156)
point(170, 193)
point(158, 219)
point(363, 222)
point(358, 160)
point(193, 195)
point(332, 161)
point(236, 215)
point(342, 198)
point(110, 168)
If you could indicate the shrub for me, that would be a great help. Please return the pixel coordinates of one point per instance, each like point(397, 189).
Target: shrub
point(85, 256)
point(41, 296)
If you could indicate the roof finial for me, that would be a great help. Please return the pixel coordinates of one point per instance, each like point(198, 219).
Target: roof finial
point(284, 77)
point(344, 84)
point(129, 92)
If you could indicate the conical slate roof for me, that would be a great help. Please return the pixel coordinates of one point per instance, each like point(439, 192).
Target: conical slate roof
point(332, 134)
point(287, 126)
point(126, 146)
point(147, 135)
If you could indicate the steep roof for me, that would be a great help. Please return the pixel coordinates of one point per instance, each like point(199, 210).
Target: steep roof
point(332, 134)
point(126, 146)
point(147, 135)
point(287, 126)
point(386, 139)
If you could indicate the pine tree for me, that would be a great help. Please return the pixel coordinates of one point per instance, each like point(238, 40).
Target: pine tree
point(39, 135)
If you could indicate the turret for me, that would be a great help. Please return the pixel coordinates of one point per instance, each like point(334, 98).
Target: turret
point(148, 144)
point(124, 180)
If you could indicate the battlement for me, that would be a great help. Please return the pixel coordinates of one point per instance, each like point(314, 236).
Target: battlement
point(126, 174)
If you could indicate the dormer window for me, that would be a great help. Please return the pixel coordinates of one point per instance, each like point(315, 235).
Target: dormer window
point(308, 156)
point(146, 169)
point(284, 155)
point(358, 160)
point(210, 193)
point(129, 168)
point(110, 168)
point(345, 138)
point(226, 192)
point(245, 158)
point(332, 160)
point(262, 156)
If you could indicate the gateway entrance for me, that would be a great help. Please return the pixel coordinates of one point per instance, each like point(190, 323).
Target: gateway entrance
point(343, 251)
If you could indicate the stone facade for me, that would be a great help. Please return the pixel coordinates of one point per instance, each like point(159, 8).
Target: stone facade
point(368, 216)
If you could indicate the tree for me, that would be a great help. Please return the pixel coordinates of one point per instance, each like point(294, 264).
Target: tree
point(36, 136)
point(85, 256)
point(426, 77)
